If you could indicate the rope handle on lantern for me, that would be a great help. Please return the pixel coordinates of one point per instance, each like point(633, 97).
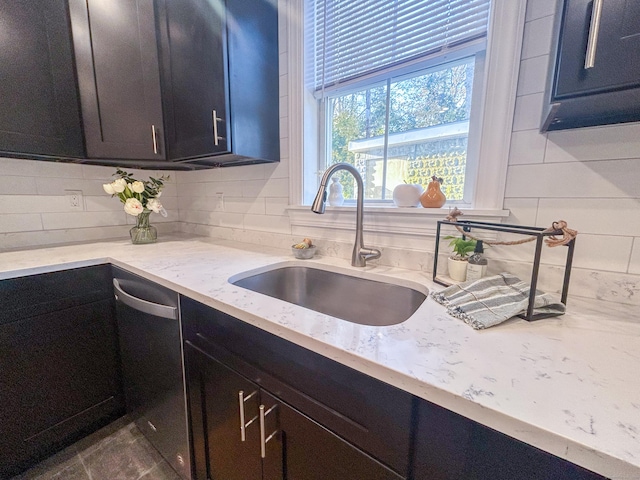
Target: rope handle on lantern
point(568, 234)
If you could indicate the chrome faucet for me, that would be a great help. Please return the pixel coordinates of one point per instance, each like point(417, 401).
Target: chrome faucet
point(360, 253)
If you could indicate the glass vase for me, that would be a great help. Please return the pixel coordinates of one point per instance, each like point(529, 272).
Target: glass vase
point(143, 232)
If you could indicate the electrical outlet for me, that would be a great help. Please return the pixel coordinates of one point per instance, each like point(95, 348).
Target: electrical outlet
point(75, 200)
point(219, 205)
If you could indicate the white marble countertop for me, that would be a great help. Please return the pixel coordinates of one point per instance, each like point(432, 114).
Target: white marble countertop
point(568, 385)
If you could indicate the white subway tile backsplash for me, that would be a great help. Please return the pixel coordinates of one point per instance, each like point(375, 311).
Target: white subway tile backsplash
point(600, 216)
point(283, 12)
point(596, 143)
point(57, 221)
point(528, 112)
point(527, 146)
point(634, 261)
point(12, 185)
point(283, 105)
point(276, 206)
point(20, 222)
point(33, 168)
point(226, 219)
point(230, 188)
point(97, 172)
point(102, 203)
point(255, 206)
point(537, 37)
point(609, 178)
point(58, 186)
point(613, 253)
point(245, 172)
point(283, 65)
point(540, 8)
point(274, 187)
point(33, 203)
point(522, 211)
point(533, 75)
point(284, 126)
point(283, 85)
point(267, 223)
point(202, 203)
point(278, 170)
point(284, 147)
point(198, 189)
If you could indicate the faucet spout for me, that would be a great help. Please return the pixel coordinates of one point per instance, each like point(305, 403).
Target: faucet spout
point(360, 253)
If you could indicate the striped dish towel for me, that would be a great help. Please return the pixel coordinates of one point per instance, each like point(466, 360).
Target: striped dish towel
point(492, 300)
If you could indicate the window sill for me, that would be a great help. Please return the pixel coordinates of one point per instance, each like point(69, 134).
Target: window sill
point(386, 219)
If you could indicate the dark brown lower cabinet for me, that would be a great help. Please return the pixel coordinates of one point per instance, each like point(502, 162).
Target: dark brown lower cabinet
point(249, 434)
point(59, 363)
point(450, 447)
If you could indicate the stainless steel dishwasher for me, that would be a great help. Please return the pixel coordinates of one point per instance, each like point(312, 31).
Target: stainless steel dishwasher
point(152, 366)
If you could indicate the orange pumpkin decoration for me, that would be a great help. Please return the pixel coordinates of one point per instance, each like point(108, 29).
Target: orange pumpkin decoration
point(433, 196)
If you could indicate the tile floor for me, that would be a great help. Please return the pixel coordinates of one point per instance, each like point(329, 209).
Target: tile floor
point(119, 451)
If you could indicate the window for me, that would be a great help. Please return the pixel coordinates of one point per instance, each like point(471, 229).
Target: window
point(392, 85)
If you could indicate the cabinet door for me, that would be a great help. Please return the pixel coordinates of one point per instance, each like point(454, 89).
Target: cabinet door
point(119, 78)
point(194, 71)
point(39, 111)
point(297, 448)
point(58, 380)
point(449, 446)
point(617, 49)
point(215, 389)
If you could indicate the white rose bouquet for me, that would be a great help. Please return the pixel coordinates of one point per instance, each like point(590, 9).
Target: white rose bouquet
point(138, 196)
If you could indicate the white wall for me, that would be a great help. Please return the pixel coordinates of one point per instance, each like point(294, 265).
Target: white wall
point(34, 208)
point(588, 177)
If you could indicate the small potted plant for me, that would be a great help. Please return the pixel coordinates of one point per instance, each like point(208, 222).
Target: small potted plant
point(457, 262)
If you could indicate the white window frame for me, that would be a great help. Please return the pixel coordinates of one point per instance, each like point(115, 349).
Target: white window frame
point(431, 64)
point(497, 105)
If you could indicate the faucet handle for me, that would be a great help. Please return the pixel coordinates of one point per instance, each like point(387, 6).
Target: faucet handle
point(370, 253)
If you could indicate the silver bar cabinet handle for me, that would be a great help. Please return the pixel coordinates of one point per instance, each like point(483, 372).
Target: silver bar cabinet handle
point(215, 128)
point(155, 139)
point(594, 30)
point(157, 309)
point(241, 406)
point(263, 440)
point(243, 425)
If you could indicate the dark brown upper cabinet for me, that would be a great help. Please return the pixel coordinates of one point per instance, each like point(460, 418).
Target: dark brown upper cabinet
point(220, 80)
point(174, 84)
point(595, 65)
point(39, 111)
point(119, 78)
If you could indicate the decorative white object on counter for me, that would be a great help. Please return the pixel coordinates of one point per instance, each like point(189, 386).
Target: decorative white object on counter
point(407, 195)
point(336, 198)
point(457, 269)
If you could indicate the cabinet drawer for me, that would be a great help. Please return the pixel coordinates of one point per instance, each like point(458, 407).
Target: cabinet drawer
point(369, 413)
point(49, 292)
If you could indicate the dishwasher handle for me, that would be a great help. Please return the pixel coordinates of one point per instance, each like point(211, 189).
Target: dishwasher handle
point(159, 310)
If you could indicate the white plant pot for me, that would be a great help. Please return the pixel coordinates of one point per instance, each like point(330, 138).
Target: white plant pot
point(407, 195)
point(457, 269)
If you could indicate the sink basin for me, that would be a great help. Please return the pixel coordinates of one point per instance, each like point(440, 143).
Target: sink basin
point(355, 299)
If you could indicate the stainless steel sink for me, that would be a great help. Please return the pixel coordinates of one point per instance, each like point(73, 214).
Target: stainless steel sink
point(355, 299)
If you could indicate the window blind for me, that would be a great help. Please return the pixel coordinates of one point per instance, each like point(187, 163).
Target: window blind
point(347, 39)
